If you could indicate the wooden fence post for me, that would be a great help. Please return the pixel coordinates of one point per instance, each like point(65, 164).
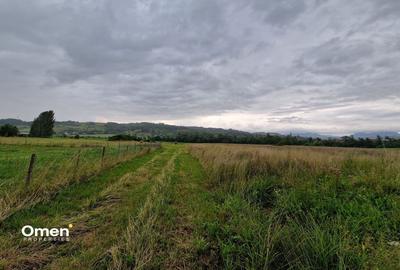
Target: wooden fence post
point(102, 156)
point(78, 157)
point(77, 160)
point(30, 170)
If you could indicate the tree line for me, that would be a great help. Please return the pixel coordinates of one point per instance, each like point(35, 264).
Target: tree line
point(272, 139)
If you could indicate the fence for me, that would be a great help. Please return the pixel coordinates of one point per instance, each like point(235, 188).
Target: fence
point(84, 161)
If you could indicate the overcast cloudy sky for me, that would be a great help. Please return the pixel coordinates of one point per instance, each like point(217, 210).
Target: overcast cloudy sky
point(261, 65)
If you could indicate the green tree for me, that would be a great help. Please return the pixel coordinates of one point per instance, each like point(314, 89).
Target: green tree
point(8, 130)
point(43, 125)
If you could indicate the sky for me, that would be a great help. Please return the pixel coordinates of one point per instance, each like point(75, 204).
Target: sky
point(258, 65)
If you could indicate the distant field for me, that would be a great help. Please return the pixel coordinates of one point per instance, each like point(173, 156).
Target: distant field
point(199, 206)
point(51, 154)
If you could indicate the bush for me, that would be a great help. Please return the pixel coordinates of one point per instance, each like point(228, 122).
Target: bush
point(123, 137)
point(8, 130)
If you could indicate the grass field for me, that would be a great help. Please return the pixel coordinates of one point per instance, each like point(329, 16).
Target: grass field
point(199, 206)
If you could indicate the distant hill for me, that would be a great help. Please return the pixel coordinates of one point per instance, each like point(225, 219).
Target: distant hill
point(144, 129)
point(374, 134)
point(306, 134)
point(15, 122)
point(110, 128)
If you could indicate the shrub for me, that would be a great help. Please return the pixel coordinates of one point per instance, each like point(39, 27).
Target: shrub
point(123, 137)
point(8, 130)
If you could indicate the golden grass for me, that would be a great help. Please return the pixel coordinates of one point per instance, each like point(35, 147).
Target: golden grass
point(227, 162)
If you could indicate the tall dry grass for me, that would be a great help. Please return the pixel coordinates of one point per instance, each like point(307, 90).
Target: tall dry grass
point(303, 207)
point(378, 168)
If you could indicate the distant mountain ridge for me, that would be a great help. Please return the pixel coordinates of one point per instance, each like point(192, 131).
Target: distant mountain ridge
point(160, 129)
point(111, 128)
point(15, 122)
point(371, 135)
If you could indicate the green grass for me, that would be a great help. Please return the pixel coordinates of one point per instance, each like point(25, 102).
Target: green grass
point(59, 163)
point(50, 156)
point(14, 161)
point(86, 205)
point(74, 198)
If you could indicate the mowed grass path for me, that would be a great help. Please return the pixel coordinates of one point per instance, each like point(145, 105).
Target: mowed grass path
point(165, 233)
point(191, 205)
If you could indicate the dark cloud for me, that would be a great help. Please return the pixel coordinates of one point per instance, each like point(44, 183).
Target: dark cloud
point(329, 66)
point(281, 13)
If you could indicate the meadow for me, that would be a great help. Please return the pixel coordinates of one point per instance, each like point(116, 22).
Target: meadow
point(199, 206)
point(304, 208)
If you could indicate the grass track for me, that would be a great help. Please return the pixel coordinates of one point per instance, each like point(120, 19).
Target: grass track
point(167, 232)
point(191, 205)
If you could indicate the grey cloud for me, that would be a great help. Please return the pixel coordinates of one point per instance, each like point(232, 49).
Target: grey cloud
point(337, 57)
point(282, 12)
point(186, 61)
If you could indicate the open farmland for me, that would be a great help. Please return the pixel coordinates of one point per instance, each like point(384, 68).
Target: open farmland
point(199, 206)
